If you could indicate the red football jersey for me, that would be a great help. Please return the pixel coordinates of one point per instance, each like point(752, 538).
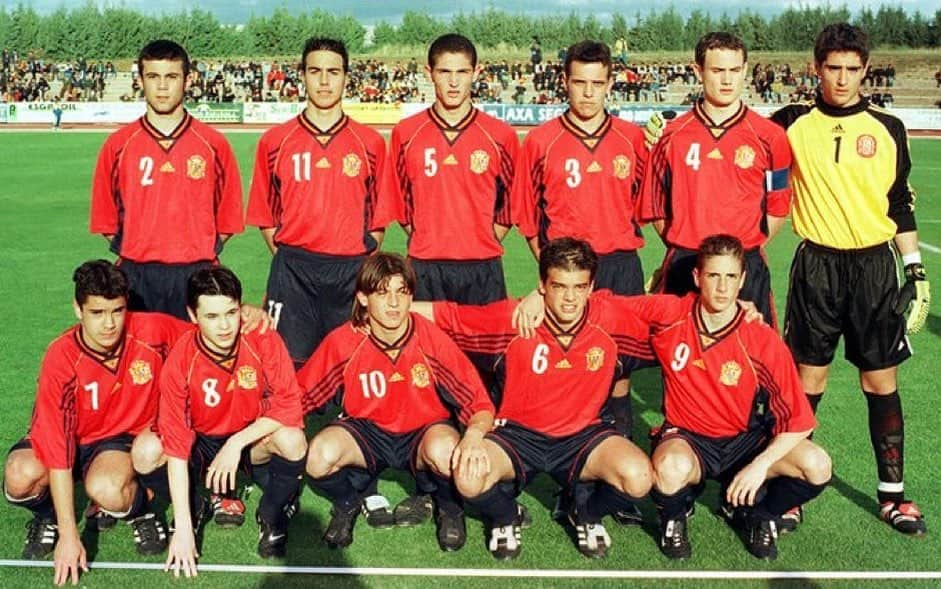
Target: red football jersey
point(554, 389)
point(203, 393)
point(451, 184)
point(166, 198)
point(428, 376)
point(83, 397)
point(318, 188)
point(705, 179)
point(573, 184)
point(712, 379)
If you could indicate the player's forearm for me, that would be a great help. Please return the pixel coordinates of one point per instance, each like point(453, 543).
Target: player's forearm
point(534, 246)
point(780, 446)
point(500, 231)
point(178, 475)
point(479, 424)
point(255, 431)
point(62, 488)
point(267, 233)
point(907, 243)
point(774, 225)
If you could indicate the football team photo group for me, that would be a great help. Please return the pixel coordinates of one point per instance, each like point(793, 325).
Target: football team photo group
point(174, 390)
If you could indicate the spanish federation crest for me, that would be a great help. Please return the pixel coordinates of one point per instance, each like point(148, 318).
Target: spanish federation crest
point(866, 146)
point(622, 167)
point(140, 372)
point(351, 165)
point(247, 377)
point(420, 376)
point(595, 359)
point(731, 372)
point(196, 167)
point(479, 161)
point(744, 157)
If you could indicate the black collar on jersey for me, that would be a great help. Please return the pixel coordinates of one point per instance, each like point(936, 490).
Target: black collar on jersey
point(838, 111)
point(589, 140)
point(167, 141)
point(718, 129)
point(323, 136)
point(103, 358)
point(558, 331)
point(398, 344)
point(217, 358)
point(452, 132)
point(709, 338)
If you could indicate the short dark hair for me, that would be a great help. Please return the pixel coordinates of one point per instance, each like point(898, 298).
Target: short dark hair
point(588, 51)
point(99, 278)
point(567, 253)
point(841, 37)
point(720, 244)
point(451, 43)
point(325, 44)
point(163, 49)
point(718, 40)
point(217, 280)
point(374, 275)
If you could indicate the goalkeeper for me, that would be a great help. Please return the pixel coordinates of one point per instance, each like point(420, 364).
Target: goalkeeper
point(854, 210)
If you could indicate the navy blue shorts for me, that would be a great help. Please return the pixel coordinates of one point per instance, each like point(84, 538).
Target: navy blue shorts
point(86, 454)
point(719, 458)
point(621, 273)
point(467, 282)
point(159, 287)
point(383, 449)
point(204, 451)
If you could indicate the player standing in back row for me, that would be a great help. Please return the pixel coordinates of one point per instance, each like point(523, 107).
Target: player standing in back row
point(166, 192)
point(854, 210)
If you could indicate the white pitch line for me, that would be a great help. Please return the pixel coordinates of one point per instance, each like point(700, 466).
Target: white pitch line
point(931, 248)
point(542, 573)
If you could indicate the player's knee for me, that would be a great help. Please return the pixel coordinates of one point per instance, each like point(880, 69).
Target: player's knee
point(471, 487)
point(108, 491)
point(24, 477)
point(323, 457)
point(436, 452)
point(673, 470)
point(290, 443)
point(635, 477)
point(146, 453)
point(817, 466)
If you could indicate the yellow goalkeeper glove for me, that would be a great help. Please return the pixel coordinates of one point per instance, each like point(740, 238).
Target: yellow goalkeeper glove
point(655, 125)
point(914, 298)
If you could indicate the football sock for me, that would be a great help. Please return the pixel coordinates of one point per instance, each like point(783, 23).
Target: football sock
point(157, 482)
point(672, 506)
point(339, 489)
point(604, 500)
point(496, 505)
point(783, 493)
point(261, 474)
point(887, 433)
point(281, 489)
point(139, 504)
point(441, 489)
point(41, 504)
point(623, 414)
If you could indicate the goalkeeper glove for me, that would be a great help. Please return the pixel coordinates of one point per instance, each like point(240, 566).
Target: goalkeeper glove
point(655, 125)
point(914, 297)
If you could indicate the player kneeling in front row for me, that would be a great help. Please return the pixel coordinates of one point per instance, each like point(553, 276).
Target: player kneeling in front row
point(399, 378)
point(97, 390)
point(555, 386)
point(228, 400)
point(734, 409)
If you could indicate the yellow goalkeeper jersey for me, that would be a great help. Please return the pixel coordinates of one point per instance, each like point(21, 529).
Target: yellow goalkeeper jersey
point(850, 174)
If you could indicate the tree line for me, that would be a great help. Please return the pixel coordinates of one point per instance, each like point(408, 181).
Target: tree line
point(117, 32)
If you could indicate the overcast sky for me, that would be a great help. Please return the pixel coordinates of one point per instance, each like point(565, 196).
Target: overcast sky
point(370, 11)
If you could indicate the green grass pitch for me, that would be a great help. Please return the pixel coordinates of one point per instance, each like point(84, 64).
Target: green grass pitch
point(44, 192)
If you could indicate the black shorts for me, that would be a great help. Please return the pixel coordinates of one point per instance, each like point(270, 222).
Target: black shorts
point(383, 449)
point(86, 454)
point(561, 458)
point(204, 451)
point(309, 295)
point(159, 287)
point(467, 282)
point(719, 458)
point(677, 279)
point(620, 272)
point(850, 293)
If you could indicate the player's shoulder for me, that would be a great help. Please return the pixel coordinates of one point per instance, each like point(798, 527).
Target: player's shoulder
point(544, 132)
point(343, 337)
point(205, 130)
point(891, 122)
point(363, 131)
point(492, 123)
point(412, 122)
point(124, 133)
point(761, 338)
point(65, 344)
point(762, 124)
point(791, 113)
point(276, 133)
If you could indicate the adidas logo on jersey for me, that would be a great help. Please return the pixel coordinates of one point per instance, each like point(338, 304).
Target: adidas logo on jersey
point(593, 168)
point(838, 129)
point(167, 168)
point(450, 160)
point(563, 363)
point(322, 163)
point(396, 377)
point(715, 154)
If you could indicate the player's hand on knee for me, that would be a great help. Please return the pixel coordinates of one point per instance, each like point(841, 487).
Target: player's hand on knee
point(744, 487)
point(914, 298)
point(220, 476)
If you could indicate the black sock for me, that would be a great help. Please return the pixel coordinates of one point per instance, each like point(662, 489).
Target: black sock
point(281, 489)
point(604, 500)
point(339, 489)
point(260, 475)
point(496, 505)
point(814, 400)
point(41, 505)
point(672, 506)
point(887, 433)
point(139, 503)
point(623, 413)
point(157, 482)
point(446, 498)
point(784, 493)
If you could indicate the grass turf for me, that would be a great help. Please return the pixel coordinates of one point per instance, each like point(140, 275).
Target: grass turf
point(44, 203)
